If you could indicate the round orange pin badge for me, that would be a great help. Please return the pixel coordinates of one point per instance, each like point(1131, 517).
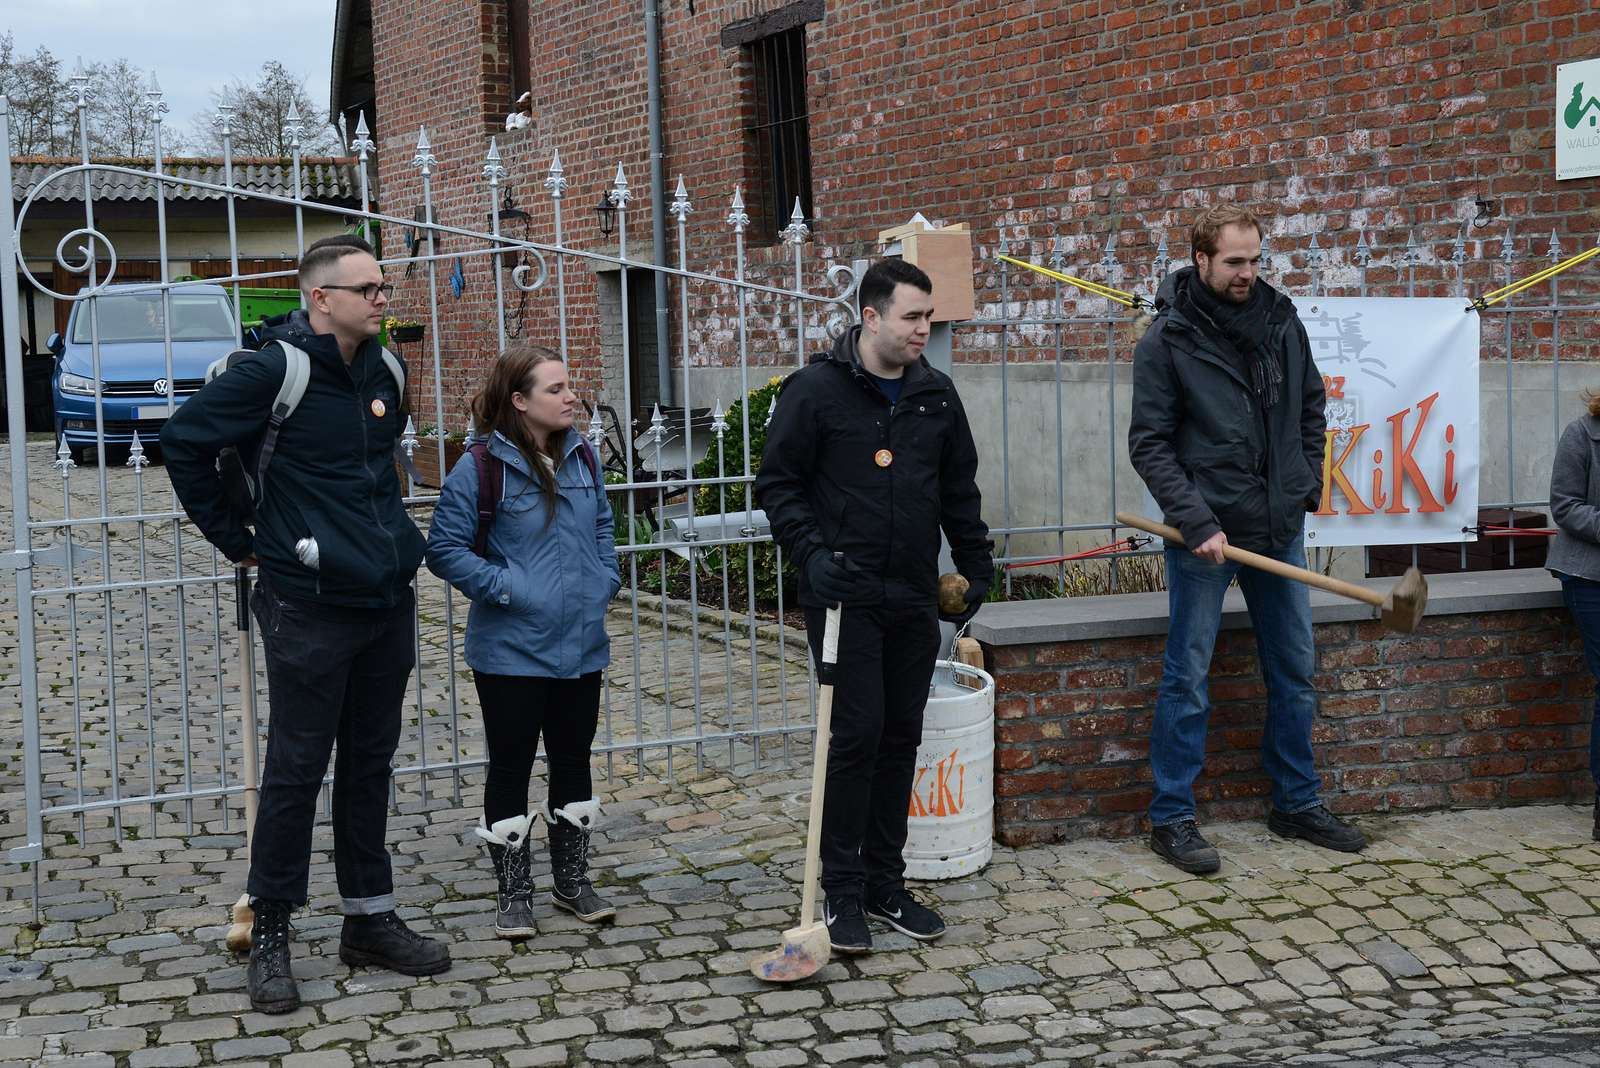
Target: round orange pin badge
point(378, 407)
point(883, 457)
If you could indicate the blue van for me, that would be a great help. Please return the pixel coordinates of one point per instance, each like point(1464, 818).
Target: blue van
point(135, 387)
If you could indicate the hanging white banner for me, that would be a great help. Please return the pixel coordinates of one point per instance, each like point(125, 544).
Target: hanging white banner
point(1401, 463)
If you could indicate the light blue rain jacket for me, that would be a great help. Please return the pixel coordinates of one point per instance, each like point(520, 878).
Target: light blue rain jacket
point(539, 595)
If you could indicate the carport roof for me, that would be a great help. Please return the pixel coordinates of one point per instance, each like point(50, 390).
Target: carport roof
point(326, 179)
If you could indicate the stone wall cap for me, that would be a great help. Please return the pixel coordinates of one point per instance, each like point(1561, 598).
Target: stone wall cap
point(1132, 614)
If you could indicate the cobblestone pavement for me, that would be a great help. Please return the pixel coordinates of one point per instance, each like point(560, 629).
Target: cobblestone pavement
point(1453, 927)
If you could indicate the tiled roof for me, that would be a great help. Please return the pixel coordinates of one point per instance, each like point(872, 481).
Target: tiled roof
point(332, 180)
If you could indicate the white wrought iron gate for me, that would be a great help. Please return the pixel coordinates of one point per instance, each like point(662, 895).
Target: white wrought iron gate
point(131, 668)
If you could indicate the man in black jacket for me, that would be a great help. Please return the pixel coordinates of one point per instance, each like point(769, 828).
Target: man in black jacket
point(337, 554)
point(868, 456)
point(1227, 433)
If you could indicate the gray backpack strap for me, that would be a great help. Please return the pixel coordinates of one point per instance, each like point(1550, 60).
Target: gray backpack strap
point(392, 362)
point(296, 376)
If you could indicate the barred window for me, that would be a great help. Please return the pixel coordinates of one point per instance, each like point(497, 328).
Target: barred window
point(779, 135)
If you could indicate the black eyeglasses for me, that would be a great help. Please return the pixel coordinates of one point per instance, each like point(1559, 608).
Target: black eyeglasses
point(367, 292)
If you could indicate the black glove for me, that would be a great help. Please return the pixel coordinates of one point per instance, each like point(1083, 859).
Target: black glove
point(976, 593)
point(834, 581)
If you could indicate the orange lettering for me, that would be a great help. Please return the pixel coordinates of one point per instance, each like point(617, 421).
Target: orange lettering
point(1406, 468)
point(916, 802)
point(947, 803)
point(1333, 471)
point(1333, 386)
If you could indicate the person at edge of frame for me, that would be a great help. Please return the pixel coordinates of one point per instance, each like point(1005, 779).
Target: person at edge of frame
point(1227, 432)
point(868, 455)
point(1574, 556)
point(536, 634)
point(337, 554)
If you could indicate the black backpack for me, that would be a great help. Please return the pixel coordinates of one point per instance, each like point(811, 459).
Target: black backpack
point(242, 481)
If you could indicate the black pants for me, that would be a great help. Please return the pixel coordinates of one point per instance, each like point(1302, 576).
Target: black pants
point(516, 710)
point(329, 682)
point(880, 689)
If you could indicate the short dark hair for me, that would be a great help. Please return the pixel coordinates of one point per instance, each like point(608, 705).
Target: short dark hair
point(324, 253)
point(1203, 237)
point(877, 285)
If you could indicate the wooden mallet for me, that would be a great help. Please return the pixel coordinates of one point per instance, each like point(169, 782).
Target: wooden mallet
point(806, 946)
point(1400, 609)
point(243, 916)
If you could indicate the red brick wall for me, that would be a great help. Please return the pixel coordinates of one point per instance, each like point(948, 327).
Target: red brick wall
point(1487, 709)
point(1026, 120)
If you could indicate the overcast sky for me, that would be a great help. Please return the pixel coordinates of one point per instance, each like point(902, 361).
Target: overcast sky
point(194, 46)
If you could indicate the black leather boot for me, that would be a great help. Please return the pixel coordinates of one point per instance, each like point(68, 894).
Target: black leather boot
point(384, 941)
point(269, 979)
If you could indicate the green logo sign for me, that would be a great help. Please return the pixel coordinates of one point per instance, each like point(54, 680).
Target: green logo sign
point(1578, 107)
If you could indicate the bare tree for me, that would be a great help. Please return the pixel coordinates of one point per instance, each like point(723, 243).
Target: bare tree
point(119, 118)
point(261, 113)
point(41, 111)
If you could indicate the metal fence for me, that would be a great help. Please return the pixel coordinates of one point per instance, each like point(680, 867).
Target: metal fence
point(131, 663)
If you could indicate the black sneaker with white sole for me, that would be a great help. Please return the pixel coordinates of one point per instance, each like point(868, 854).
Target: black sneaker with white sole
point(897, 908)
point(847, 925)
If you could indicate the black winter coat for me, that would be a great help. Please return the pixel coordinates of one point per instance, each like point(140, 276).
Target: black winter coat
point(1212, 457)
point(332, 476)
point(823, 489)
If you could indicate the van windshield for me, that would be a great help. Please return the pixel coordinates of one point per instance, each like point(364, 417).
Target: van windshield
point(137, 317)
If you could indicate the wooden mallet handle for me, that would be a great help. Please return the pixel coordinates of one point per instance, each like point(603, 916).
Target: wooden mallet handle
point(1264, 563)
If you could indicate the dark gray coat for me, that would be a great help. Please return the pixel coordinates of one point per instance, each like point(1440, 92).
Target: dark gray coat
point(1575, 501)
point(1212, 458)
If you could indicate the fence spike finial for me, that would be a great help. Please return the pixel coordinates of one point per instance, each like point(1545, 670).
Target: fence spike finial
point(1458, 250)
point(738, 218)
point(155, 103)
point(719, 418)
point(362, 143)
point(1163, 257)
point(293, 127)
point(620, 194)
point(680, 208)
point(493, 169)
point(408, 437)
point(64, 460)
point(136, 457)
point(425, 160)
point(555, 180)
point(796, 231)
point(1555, 246)
point(1508, 248)
point(224, 119)
point(1058, 252)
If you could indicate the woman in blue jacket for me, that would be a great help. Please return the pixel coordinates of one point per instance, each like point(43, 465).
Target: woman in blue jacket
point(536, 634)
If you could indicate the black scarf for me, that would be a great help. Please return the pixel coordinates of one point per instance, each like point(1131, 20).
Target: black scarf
point(1243, 330)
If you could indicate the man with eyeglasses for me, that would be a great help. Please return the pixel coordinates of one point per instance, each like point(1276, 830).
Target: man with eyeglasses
point(337, 554)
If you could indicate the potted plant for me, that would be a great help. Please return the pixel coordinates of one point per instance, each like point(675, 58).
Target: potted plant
point(429, 467)
point(405, 330)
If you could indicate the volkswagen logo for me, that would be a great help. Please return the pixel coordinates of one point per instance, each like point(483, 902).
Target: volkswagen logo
point(161, 387)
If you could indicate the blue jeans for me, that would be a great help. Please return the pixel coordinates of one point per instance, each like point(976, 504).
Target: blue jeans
point(1280, 610)
point(1583, 601)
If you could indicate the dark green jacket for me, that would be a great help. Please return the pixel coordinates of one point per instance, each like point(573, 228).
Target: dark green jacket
point(332, 477)
point(1211, 457)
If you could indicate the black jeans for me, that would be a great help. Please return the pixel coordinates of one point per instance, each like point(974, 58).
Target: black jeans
point(886, 658)
point(329, 682)
point(516, 710)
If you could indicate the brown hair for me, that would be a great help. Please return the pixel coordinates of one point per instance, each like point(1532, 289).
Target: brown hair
point(492, 410)
point(1203, 238)
point(1592, 399)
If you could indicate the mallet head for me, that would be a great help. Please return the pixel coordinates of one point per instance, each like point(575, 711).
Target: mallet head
point(1402, 609)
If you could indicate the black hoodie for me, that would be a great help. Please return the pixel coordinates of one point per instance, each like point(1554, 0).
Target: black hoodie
point(845, 471)
point(1212, 456)
point(332, 477)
